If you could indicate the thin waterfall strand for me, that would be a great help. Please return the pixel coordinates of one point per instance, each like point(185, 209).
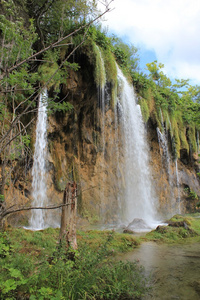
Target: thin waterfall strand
point(39, 184)
point(178, 188)
point(101, 83)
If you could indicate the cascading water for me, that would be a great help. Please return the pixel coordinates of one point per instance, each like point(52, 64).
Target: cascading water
point(101, 97)
point(178, 188)
point(37, 221)
point(139, 201)
point(101, 83)
point(164, 152)
point(174, 203)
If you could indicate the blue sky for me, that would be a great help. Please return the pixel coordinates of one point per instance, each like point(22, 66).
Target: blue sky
point(165, 30)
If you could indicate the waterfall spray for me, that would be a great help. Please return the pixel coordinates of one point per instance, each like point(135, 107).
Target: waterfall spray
point(37, 221)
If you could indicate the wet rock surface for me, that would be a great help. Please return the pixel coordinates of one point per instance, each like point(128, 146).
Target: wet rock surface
point(135, 225)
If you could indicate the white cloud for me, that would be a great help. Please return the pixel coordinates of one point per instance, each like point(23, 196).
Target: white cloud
point(170, 28)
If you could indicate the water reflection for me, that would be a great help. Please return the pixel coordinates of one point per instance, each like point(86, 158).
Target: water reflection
point(174, 270)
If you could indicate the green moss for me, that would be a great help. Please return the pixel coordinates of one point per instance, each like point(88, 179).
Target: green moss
point(192, 138)
point(181, 218)
point(111, 73)
point(183, 139)
point(157, 117)
point(177, 233)
point(144, 109)
point(99, 70)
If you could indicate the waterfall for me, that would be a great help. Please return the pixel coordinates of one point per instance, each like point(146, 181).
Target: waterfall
point(39, 189)
point(178, 188)
point(164, 152)
point(101, 84)
point(101, 96)
point(174, 200)
point(139, 201)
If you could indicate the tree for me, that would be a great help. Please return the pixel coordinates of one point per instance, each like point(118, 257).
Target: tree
point(126, 55)
point(157, 75)
point(24, 58)
point(68, 217)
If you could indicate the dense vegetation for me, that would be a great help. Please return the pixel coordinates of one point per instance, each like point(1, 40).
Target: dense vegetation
point(32, 267)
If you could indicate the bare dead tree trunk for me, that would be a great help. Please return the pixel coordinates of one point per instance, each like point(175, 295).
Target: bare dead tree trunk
point(68, 217)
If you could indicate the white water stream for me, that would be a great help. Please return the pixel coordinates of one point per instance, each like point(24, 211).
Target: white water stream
point(178, 188)
point(101, 122)
point(139, 201)
point(39, 185)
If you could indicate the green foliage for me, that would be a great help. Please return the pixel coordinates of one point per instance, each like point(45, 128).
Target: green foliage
point(180, 107)
point(99, 37)
point(59, 18)
point(5, 245)
point(126, 55)
point(2, 199)
point(59, 107)
point(140, 82)
point(15, 279)
point(39, 271)
point(191, 194)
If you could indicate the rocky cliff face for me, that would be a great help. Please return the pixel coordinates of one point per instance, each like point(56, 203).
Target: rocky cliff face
point(82, 147)
point(81, 150)
point(173, 182)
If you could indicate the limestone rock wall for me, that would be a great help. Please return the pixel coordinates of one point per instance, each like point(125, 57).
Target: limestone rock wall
point(80, 150)
point(173, 185)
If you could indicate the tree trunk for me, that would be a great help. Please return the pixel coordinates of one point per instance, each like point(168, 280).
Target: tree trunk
point(68, 217)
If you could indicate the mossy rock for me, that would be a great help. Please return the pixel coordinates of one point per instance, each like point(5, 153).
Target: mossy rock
point(178, 219)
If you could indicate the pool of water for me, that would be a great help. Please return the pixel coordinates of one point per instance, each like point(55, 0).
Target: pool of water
point(174, 270)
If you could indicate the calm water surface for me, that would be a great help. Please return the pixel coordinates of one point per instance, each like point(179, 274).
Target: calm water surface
point(174, 270)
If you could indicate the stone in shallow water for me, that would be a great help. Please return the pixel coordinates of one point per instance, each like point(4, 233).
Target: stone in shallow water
point(138, 224)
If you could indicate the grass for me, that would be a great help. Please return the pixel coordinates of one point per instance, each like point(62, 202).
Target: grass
point(33, 265)
point(117, 242)
point(186, 228)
